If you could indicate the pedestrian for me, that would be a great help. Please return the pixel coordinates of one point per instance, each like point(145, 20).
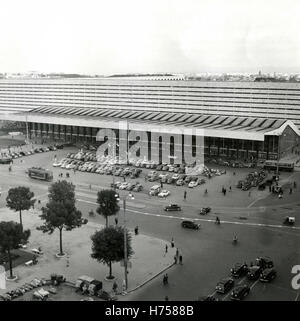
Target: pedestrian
point(136, 230)
point(177, 252)
point(295, 184)
point(205, 191)
point(172, 242)
point(233, 173)
point(225, 191)
point(166, 298)
point(161, 184)
point(74, 170)
point(116, 220)
point(175, 259)
point(291, 190)
point(166, 248)
point(249, 194)
point(115, 287)
point(184, 195)
point(230, 188)
point(180, 259)
point(167, 278)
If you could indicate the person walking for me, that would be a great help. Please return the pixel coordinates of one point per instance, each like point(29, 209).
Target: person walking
point(225, 191)
point(295, 184)
point(136, 230)
point(166, 298)
point(180, 259)
point(175, 259)
point(230, 188)
point(167, 278)
point(184, 195)
point(124, 178)
point(116, 220)
point(115, 287)
point(172, 243)
point(177, 252)
point(166, 249)
point(291, 190)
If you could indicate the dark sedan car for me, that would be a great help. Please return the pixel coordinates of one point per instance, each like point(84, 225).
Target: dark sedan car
point(172, 207)
point(254, 272)
point(225, 285)
point(240, 292)
point(268, 275)
point(239, 269)
point(205, 210)
point(264, 262)
point(190, 224)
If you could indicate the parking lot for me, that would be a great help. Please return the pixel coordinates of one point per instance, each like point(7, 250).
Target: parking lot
point(259, 227)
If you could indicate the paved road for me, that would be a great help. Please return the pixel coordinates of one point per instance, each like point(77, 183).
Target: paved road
point(208, 254)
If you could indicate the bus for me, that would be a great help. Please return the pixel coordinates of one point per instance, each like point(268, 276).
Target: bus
point(272, 165)
point(40, 173)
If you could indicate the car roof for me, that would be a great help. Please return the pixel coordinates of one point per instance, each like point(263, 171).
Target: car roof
point(224, 280)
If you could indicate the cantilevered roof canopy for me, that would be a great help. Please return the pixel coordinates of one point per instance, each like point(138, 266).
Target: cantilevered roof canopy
point(203, 124)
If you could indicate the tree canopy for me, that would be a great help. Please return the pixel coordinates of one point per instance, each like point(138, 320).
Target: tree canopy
point(11, 235)
point(108, 245)
point(20, 199)
point(60, 212)
point(108, 204)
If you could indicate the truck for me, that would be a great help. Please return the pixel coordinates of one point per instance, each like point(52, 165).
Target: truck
point(40, 173)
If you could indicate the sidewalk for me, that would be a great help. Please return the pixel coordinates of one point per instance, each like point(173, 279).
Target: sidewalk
point(148, 260)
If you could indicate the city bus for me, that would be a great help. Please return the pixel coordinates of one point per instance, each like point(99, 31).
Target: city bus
point(272, 165)
point(40, 173)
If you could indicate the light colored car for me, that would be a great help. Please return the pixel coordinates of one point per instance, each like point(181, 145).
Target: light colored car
point(164, 193)
point(171, 168)
point(124, 185)
point(56, 164)
point(163, 176)
point(175, 176)
point(193, 184)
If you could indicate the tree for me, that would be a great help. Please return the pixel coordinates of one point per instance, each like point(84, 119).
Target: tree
point(108, 204)
point(11, 235)
point(20, 199)
point(108, 246)
point(60, 212)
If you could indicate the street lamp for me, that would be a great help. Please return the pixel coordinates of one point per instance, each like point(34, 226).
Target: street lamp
point(130, 196)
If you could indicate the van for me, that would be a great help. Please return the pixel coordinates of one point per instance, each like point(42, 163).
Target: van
point(154, 190)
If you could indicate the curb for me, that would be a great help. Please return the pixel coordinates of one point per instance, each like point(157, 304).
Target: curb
point(151, 278)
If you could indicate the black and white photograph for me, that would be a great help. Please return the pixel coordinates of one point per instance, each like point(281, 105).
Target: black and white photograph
point(150, 151)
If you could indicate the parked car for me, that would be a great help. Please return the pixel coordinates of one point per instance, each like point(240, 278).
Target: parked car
point(268, 275)
point(240, 292)
point(264, 262)
point(225, 285)
point(193, 184)
point(164, 193)
point(180, 182)
point(154, 190)
point(254, 272)
point(239, 269)
point(190, 224)
point(138, 187)
point(172, 207)
point(124, 185)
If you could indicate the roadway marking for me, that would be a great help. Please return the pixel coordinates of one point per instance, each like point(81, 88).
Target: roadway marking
point(204, 220)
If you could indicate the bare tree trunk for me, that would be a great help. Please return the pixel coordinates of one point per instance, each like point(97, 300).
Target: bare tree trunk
point(21, 223)
point(110, 270)
point(60, 242)
point(10, 264)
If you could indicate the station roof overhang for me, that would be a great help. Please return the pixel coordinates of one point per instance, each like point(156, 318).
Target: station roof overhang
point(247, 128)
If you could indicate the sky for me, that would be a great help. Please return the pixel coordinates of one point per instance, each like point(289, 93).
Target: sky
point(150, 36)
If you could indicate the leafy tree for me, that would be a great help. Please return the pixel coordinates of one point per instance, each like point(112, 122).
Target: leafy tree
point(108, 246)
point(11, 235)
point(20, 199)
point(108, 204)
point(60, 212)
